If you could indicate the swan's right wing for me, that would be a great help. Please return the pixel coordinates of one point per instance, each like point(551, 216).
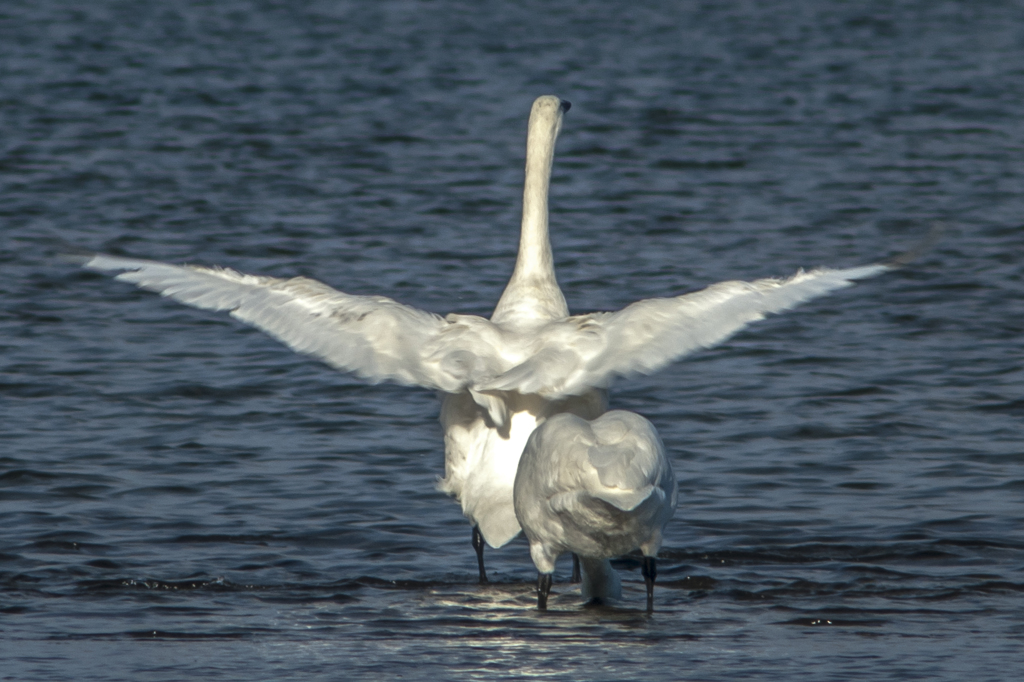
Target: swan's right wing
point(371, 336)
point(588, 351)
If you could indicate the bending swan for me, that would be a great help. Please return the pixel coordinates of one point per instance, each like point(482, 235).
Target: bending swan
point(499, 378)
point(598, 489)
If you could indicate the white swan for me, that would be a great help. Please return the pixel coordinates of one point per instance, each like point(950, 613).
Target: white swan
point(599, 489)
point(498, 378)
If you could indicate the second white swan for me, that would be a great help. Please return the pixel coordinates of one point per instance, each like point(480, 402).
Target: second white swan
point(598, 489)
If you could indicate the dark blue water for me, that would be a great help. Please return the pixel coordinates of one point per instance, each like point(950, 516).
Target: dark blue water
point(183, 498)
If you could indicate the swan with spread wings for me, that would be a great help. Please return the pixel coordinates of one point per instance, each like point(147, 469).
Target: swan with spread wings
point(498, 378)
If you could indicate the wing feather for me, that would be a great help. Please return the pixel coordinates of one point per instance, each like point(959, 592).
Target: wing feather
point(379, 339)
point(589, 351)
point(374, 337)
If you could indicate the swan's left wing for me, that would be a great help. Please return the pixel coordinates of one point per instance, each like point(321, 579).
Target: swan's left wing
point(588, 351)
point(371, 336)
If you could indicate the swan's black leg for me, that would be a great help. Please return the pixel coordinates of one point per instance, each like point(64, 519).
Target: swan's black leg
point(478, 545)
point(649, 569)
point(575, 569)
point(543, 588)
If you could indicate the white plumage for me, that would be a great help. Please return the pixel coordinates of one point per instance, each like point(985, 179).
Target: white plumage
point(598, 489)
point(499, 378)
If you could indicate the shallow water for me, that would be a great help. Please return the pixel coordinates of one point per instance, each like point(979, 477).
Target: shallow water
point(183, 498)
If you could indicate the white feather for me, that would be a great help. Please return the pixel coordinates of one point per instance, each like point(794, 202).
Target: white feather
point(501, 377)
point(598, 489)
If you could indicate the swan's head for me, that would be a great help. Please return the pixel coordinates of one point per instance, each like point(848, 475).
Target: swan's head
point(546, 118)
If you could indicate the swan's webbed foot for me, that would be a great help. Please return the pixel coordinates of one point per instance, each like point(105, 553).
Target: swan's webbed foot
point(478, 545)
point(543, 589)
point(649, 569)
point(576, 577)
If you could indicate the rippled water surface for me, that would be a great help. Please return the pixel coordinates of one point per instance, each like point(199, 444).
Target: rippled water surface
point(183, 498)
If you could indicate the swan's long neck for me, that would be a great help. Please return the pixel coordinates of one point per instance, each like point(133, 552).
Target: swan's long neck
point(532, 294)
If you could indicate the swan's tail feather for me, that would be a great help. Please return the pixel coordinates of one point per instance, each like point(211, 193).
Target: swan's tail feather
point(628, 500)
